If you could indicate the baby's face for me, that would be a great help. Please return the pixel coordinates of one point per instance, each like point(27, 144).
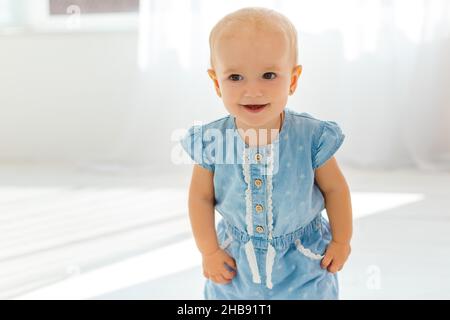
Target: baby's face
point(254, 68)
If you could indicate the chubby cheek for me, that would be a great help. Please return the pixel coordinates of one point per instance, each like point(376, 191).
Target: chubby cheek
point(230, 97)
point(280, 101)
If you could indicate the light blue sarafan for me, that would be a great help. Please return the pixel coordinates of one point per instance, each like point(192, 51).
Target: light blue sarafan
point(271, 208)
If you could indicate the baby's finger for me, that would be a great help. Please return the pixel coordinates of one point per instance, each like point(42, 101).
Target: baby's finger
point(326, 261)
point(230, 261)
point(228, 274)
point(333, 268)
point(219, 279)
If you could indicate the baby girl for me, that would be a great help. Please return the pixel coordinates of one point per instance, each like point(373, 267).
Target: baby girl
point(271, 186)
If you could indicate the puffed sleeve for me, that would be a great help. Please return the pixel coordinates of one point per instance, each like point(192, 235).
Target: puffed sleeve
point(194, 146)
point(326, 142)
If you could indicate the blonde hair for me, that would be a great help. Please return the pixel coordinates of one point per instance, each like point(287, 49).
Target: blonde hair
point(258, 18)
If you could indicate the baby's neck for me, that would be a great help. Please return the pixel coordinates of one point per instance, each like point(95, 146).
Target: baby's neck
point(262, 135)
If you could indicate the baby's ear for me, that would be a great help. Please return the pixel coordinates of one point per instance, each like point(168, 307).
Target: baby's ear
point(297, 70)
point(212, 75)
point(294, 78)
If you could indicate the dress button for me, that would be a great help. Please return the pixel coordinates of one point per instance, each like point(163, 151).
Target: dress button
point(259, 208)
point(258, 157)
point(258, 182)
point(259, 229)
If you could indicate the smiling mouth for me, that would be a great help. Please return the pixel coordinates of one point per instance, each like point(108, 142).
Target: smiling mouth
point(254, 106)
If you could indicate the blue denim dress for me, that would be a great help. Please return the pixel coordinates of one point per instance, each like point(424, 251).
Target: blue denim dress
point(271, 208)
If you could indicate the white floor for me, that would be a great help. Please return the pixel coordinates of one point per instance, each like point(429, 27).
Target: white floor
point(78, 233)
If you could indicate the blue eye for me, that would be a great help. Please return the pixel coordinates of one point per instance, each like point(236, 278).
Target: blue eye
point(232, 77)
point(269, 77)
point(235, 77)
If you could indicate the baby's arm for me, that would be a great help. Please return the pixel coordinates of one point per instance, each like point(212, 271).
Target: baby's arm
point(201, 209)
point(339, 210)
point(201, 214)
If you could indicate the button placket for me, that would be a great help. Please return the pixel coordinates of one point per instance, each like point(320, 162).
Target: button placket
point(258, 198)
point(258, 157)
point(259, 208)
point(259, 229)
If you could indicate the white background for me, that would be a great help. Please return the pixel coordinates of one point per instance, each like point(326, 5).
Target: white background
point(89, 105)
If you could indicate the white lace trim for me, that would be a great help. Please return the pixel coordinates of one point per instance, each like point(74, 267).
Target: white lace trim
point(269, 191)
point(306, 251)
point(251, 257)
point(248, 192)
point(270, 258)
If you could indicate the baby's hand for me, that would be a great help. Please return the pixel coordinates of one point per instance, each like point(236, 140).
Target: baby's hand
point(335, 256)
point(214, 266)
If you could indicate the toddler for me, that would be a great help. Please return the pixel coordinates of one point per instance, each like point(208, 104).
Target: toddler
point(268, 170)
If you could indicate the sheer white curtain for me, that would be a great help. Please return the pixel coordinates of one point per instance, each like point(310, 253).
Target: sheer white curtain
point(379, 68)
